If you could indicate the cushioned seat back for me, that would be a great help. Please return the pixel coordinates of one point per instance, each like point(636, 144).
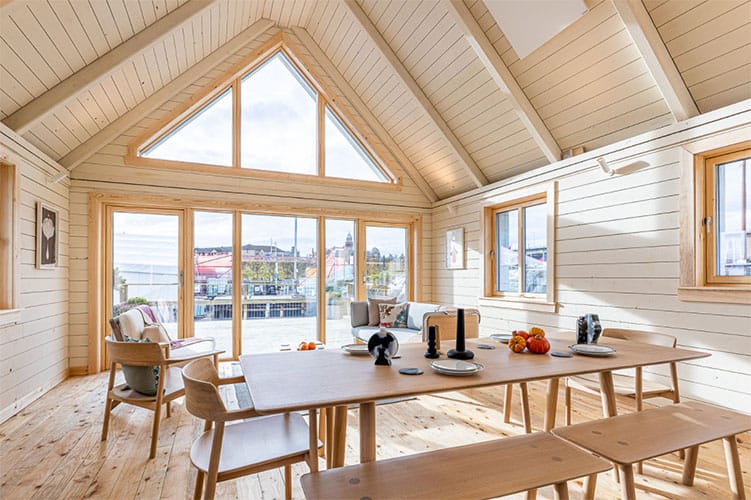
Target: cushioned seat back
point(131, 324)
point(202, 397)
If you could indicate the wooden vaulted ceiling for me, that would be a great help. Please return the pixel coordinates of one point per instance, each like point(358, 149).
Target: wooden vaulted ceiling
point(439, 77)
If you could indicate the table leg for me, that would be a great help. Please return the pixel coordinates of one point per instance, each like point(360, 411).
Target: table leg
point(367, 432)
point(628, 488)
point(507, 403)
point(329, 433)
point(607, 393)
point(313, 439)
point(735, 476)
point(689, 466)
point(339, 436)
point(552, 404)
point(561, 491)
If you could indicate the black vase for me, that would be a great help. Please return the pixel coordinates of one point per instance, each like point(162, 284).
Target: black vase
point(460, 352)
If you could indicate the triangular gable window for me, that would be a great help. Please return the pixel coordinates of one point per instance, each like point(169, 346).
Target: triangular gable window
point(269, 117)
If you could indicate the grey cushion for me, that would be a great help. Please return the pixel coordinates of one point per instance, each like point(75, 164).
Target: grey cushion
point(403, 335)
point(416, 311)
point(143, 379)
point(373, 313)
point(359, 313)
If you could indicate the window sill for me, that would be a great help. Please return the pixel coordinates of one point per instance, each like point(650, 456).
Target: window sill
point(526, 303)
point(727, 295)
point(9, 317)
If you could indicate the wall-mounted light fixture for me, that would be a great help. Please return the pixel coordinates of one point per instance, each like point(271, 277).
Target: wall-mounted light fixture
point(626, 169)
point(54, 179)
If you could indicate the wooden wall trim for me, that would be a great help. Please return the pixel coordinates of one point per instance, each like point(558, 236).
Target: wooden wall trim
point(95, 271)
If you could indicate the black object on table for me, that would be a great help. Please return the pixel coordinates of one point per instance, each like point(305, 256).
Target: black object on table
point(461, 351)
point(432, 352)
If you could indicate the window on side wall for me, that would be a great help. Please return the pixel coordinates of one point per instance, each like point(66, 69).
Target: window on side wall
point(716, 226)
point(519, 244)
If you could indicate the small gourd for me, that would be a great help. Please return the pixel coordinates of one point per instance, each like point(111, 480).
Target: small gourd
point(517, 343)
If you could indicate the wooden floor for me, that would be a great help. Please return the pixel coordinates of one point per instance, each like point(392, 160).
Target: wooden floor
point(52, 449)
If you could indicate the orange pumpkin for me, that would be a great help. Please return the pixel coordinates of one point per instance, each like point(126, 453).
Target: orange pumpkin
point(538, 344)
point(517, 343)
point(536, 330)
point(520, 333)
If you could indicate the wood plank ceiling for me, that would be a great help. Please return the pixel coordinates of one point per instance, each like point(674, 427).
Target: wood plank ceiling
point(589, 86)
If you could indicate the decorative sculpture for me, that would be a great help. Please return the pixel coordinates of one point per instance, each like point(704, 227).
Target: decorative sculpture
point(460, 352)
point(383, 345)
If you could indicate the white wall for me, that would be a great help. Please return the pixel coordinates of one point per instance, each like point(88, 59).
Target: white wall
point(617, 254)
point(34, 350)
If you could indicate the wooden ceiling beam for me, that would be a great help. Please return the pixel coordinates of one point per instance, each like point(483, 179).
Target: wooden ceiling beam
point(32, 113)
point(503, 78)
point(109, 133)
point(659, 62)
point(362, 109)
point(469, 165)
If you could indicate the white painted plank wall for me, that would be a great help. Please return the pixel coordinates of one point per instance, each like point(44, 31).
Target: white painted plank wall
point(617, 254)
point(34, 352)
point(710, 43)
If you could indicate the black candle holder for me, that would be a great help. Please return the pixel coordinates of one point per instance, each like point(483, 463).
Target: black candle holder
point(460, 352)
point(432, 352)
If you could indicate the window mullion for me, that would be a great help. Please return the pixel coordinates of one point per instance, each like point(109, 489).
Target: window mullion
point(321, 136)
point(236, 130)
point(521, 249)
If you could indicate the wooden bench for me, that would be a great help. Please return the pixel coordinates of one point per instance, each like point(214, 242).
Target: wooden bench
point(628, 439)
point(482, 470)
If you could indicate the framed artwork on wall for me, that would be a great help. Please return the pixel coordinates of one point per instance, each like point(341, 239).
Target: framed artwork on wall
point(48, 220)
point(455, 248)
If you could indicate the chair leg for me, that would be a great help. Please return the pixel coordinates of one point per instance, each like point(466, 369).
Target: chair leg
point(199, 485)
point(531, 494)
point(213, 472)
point(288, 482)
point(527, 419)
point(567, 404)
point(733, 461)
point(106, 423)
point(155, 430)
point(169, 409)
point(507, 403)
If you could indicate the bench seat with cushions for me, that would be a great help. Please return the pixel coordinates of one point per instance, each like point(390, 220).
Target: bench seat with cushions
point(365, 321)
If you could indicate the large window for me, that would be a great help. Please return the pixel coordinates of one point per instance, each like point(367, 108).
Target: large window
point(728, 221)
point(519, 245)
point(268, 116)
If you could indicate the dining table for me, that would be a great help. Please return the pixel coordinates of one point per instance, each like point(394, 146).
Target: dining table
point(335, 378)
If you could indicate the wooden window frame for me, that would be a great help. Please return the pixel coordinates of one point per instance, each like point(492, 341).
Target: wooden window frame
point(232, 79)
point(9, 244)
point(698, 282)
point(520, 300)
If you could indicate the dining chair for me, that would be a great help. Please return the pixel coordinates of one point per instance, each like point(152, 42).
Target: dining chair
point(625, 384)
point(254, 445)
point(167, 381)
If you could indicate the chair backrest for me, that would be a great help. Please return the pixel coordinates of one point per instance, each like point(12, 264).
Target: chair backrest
point(134, 353)
point(202, 397)
point(641, 336)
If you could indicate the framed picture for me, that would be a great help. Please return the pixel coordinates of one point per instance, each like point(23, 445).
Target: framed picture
point(47, 236)
point(455, 248)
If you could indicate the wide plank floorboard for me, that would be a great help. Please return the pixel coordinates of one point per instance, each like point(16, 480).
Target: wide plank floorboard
point(52, 449)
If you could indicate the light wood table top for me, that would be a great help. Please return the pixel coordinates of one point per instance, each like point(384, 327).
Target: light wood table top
point(299, 380)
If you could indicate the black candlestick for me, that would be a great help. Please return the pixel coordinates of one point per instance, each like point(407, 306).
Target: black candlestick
point(432, 352)
point(460, 352)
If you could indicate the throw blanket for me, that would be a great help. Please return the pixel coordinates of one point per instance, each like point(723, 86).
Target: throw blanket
point(150, 319)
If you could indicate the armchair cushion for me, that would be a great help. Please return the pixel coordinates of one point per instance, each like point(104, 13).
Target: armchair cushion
point(393, 315)
point(359, 313)
point(417, 311)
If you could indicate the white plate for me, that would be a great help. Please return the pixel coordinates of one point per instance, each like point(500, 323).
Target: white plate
point(592, 349)
point(356, 349)
point(456, 367)
point(501, 337)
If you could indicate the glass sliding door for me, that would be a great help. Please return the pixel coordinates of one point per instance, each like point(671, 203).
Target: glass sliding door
point(279, 269)
point(212, 278)
point(146, 264)
point(386, 262)
point(340, 280)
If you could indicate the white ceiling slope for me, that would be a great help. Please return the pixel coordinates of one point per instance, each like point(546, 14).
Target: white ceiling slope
point(439, 78)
